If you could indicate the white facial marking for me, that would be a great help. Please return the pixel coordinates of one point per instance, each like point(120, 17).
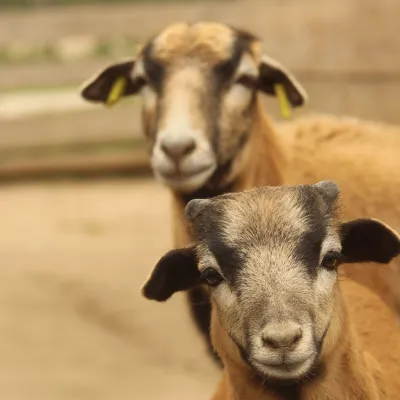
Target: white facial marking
point(149, 98)
point(138, 69)
point(247, 66)
point(330, 243)
point(182, 122)
point(239, 96)
point(181, 100)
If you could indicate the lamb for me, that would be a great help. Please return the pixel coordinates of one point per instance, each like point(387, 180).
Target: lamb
point(208, 134)
point(281, 324)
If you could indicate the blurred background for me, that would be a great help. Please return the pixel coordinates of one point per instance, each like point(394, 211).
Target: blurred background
point(81, 220)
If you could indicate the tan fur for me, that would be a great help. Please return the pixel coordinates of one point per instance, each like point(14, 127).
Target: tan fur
point(322, 147)
point(359, 155)
point(262, 162)
point(362, 363)
point(362, 157)
point(209, 41)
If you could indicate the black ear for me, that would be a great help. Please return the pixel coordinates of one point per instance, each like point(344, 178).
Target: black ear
point(177, 270)
point(366, 240)
point(98, 88)
point(271, 72)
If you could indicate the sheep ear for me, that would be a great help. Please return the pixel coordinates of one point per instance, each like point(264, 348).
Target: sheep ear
point(177, 270)
point(272, 73)
point(366, 240)
point(111, 83)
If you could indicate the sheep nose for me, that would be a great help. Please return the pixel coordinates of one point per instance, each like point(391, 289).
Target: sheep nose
point(282, 336)
point(176, 148)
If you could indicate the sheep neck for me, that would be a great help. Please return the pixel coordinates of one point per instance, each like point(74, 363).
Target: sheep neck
point(343, 372)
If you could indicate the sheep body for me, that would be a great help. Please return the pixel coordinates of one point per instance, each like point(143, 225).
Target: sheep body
point(360, 155)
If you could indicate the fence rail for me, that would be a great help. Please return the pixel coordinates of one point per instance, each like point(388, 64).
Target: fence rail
point(346, 67)
point(46, 3)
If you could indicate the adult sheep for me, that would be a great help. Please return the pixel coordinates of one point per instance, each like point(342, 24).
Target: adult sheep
point(208, 134)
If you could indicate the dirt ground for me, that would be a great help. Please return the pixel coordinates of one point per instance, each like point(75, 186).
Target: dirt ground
point(73, 324)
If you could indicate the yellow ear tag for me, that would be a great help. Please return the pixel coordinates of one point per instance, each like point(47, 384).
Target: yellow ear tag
point(117, 90)
point(283, 100)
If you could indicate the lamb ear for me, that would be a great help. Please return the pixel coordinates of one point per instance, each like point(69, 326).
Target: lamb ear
point(175, 271)
point(98, 88)
point(271, 72)
point(366, 240)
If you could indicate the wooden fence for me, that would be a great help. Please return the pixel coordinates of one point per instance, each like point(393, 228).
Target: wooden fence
point(345, 52)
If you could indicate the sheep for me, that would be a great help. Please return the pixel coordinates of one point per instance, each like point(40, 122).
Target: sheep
point(281, 321)
point(208, 134)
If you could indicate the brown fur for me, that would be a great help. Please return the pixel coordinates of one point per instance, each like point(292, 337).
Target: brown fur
point(362, 158)
point(319, 148)
point(262, 162)
point(359, 156)
point(361, 354)
point(206, 40)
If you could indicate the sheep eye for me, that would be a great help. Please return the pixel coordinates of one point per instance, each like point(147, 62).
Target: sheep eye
point(331, 260)
point(141, 81)
point(212, 277)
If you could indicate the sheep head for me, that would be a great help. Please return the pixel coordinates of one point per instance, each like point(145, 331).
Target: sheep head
point(270, 257)
point(199, 84)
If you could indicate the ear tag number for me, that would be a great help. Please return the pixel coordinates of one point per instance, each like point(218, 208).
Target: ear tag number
point(117, 90)
point(283, 100)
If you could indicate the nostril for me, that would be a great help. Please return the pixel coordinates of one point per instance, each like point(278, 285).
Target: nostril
point(189, 148)
point(296, 339)
point(271, 343)
point(165, 149)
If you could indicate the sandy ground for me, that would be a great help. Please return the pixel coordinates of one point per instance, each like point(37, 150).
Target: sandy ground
point(72, 322)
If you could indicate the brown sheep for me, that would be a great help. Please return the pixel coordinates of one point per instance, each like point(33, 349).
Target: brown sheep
point(281, 323)
point(208, 134)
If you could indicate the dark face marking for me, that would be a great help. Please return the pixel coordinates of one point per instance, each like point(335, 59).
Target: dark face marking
point(229, 258)
point(223, 78)
point(309, 246)
point(155, 70)
point(225, 70)
point(307, 250)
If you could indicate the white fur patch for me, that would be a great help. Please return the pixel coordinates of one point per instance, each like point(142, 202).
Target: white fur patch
point(330, 243)
point(181, 106)
point(247, 66)
point(138, 69)
point(149, 98)
point(238, 97)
